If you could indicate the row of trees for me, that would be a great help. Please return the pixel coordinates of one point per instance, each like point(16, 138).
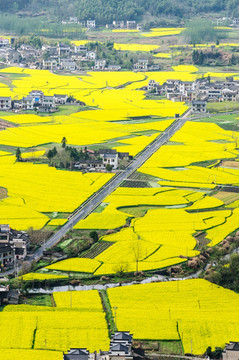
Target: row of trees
point(213, 57)
point(107, 10)
point(201, 31)
point(70, 152)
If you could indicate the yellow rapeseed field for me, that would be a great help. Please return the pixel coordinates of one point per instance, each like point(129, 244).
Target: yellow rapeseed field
point(135, 47)
point(40, 276)
point(43, 328)
point(157, 32)
point(57, 222)
point(76, 265)
point(87, 300)
point(163, 55)
point(33, 189)
point(201, 313)
point(19, 354)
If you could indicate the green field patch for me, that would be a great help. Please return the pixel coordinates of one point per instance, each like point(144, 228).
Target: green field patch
point(222, 106)
point(3, 193)
point(36, 300)
point(101, 207)
point(65, 243)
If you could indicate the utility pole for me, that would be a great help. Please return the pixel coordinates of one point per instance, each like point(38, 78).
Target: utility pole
point(70, 298)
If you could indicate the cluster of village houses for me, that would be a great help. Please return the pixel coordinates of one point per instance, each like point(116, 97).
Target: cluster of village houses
point(120, 348)
point(91, 24)
point(197, 92)
point(36, 99)
point(62, 57)
point(13, 245)
point(99, 160)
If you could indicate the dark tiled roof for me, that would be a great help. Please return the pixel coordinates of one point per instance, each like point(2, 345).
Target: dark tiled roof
point(232, 346)
point(89, 162)
point(121, 335)
point(19, 251)
point(108, 151)
point(119, 347)
point(76, 354)
point(5, 248)
point(198, 102)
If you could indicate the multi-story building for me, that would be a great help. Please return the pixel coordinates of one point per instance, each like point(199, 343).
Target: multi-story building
point(141, 65)
point(16, 240)
point(118, 24)
point(100, 64)
point(90, 55)
point(199, 106)
point(110, 157)
point(131, 24)
point(5, 102)
point(231, 351)
point(49, 64)
point(80, 48)
point(28, 102)
point(6, 255)
point(60, 99)
point(63, 49)
point(4, 234)
point(90, 24)
point(4, 42)
point(67, 65)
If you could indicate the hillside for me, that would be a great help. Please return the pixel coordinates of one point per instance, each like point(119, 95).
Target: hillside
point(108, 10)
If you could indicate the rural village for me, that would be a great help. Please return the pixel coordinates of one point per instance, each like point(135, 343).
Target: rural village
point(119, 181)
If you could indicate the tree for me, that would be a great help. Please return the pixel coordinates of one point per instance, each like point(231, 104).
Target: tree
point(18, 154)
point(108, 167)
point(200, 31)
point(195, 56)
point(209, 352)
point(94, 236)
point(200, 58)
point(63, 142)
point(54, 151)
point(35, 41)
point(70, 99)
point(49, 155)
point(74, 154)
point(216, 354)
point(120, 268)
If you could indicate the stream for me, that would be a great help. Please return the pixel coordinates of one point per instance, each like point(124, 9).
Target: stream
point(156, 278)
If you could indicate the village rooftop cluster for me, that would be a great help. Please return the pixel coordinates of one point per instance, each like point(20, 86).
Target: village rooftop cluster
point(62, 57)
point(197, 92)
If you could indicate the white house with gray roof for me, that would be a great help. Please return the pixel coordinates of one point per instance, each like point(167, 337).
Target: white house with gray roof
point(110, 157)
point(5, 102)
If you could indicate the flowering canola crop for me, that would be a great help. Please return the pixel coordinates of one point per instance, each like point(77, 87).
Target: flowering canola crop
point(201, 313)
point(77, 321)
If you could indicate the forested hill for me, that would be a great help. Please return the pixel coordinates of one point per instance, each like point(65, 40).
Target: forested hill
point(107, 10)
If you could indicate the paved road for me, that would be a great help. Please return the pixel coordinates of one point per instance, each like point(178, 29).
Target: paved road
point(108, 188)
